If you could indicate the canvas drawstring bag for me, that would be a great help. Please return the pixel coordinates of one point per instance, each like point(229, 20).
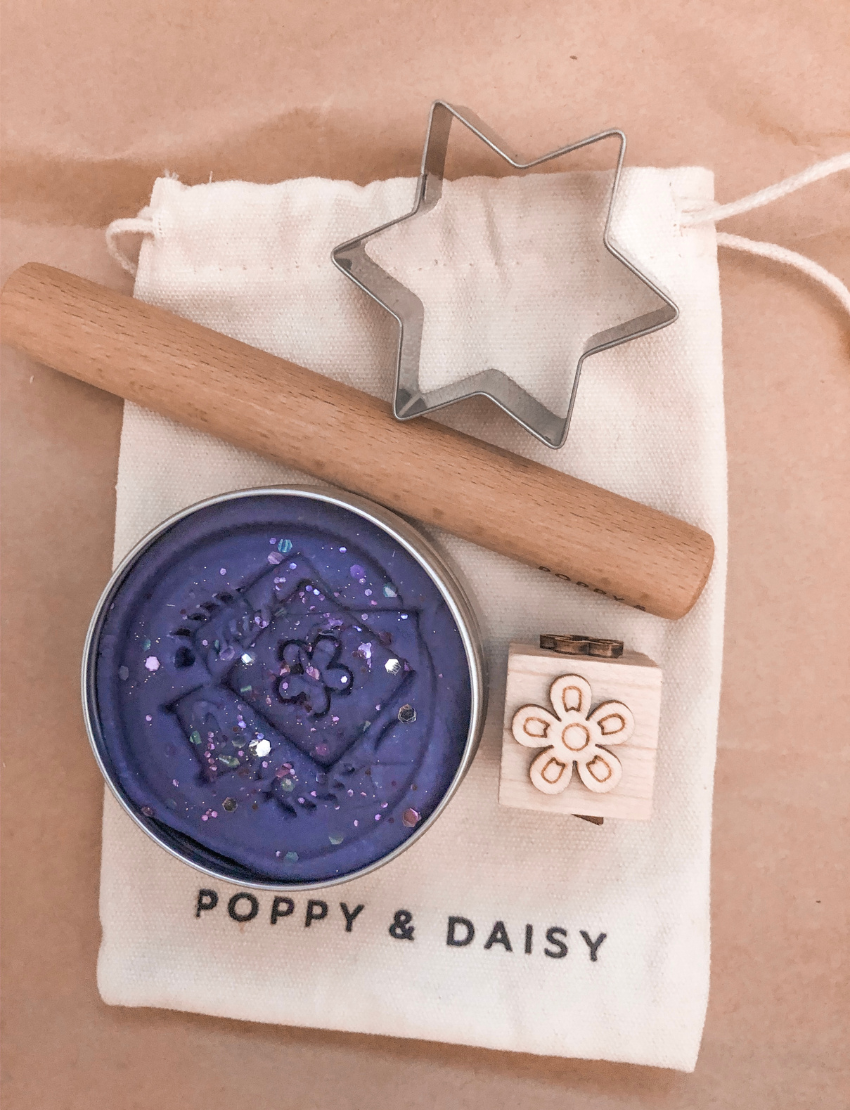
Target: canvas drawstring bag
point(603, 946)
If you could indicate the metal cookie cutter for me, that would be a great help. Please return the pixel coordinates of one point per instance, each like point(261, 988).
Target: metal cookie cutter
point(406, 307)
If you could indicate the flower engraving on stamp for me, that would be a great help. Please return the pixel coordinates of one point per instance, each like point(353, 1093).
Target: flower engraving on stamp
point(573, 735)
point(308, 673)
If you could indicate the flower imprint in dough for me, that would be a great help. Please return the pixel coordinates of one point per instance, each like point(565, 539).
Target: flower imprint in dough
point(573, 735)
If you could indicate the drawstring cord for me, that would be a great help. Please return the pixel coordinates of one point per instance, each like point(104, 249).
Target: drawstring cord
point(771, 250)
point(137, 225)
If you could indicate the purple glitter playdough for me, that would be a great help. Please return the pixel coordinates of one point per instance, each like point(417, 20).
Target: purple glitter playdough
point(300, 727)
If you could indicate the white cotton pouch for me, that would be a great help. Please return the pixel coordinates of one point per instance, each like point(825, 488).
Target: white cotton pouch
point(615, 964)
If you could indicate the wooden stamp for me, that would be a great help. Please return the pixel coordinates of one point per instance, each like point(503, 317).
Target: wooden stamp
point(581, 729)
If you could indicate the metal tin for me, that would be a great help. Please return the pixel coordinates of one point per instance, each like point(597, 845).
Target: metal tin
point(441, 573)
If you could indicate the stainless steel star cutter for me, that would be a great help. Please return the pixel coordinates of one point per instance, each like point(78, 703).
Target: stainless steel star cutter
point(408, 310)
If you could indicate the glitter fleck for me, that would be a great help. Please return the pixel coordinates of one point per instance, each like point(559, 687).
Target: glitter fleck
point(147, 811)
point(152, 663)
point(336, 839)
point(392, 666)
point(229, 804)
point(123, 673)
point(284, 547)
point(262, 748)
point(274, 558)
point(343, 550)
point(292, 857)
point(148, 718)
point(356, 571)
point(174, 782)
point(410, 818)
point(390, 591)
point(407, 714)
point(223, 570)
point(248, 657)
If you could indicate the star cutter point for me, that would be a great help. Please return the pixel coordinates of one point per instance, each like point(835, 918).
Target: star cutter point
point(402, 303)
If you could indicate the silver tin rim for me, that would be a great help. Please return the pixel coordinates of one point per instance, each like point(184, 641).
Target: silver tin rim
point(434, 563)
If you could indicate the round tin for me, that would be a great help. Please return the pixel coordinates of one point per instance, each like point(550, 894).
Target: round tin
point(441, 575)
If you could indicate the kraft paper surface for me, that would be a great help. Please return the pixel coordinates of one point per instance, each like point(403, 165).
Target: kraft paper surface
point(99, 99)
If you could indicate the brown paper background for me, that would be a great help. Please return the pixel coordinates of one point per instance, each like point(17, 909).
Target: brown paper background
point(102, 95)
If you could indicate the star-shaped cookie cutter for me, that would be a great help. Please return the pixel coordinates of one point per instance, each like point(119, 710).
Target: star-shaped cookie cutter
point(408, 310)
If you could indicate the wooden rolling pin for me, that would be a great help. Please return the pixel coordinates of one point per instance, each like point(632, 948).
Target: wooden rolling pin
point(422, 469)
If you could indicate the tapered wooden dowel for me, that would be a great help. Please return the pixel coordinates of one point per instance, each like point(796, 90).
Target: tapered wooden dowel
point(248, 397)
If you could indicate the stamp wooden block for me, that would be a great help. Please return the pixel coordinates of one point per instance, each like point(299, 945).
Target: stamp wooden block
point(580, 733)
